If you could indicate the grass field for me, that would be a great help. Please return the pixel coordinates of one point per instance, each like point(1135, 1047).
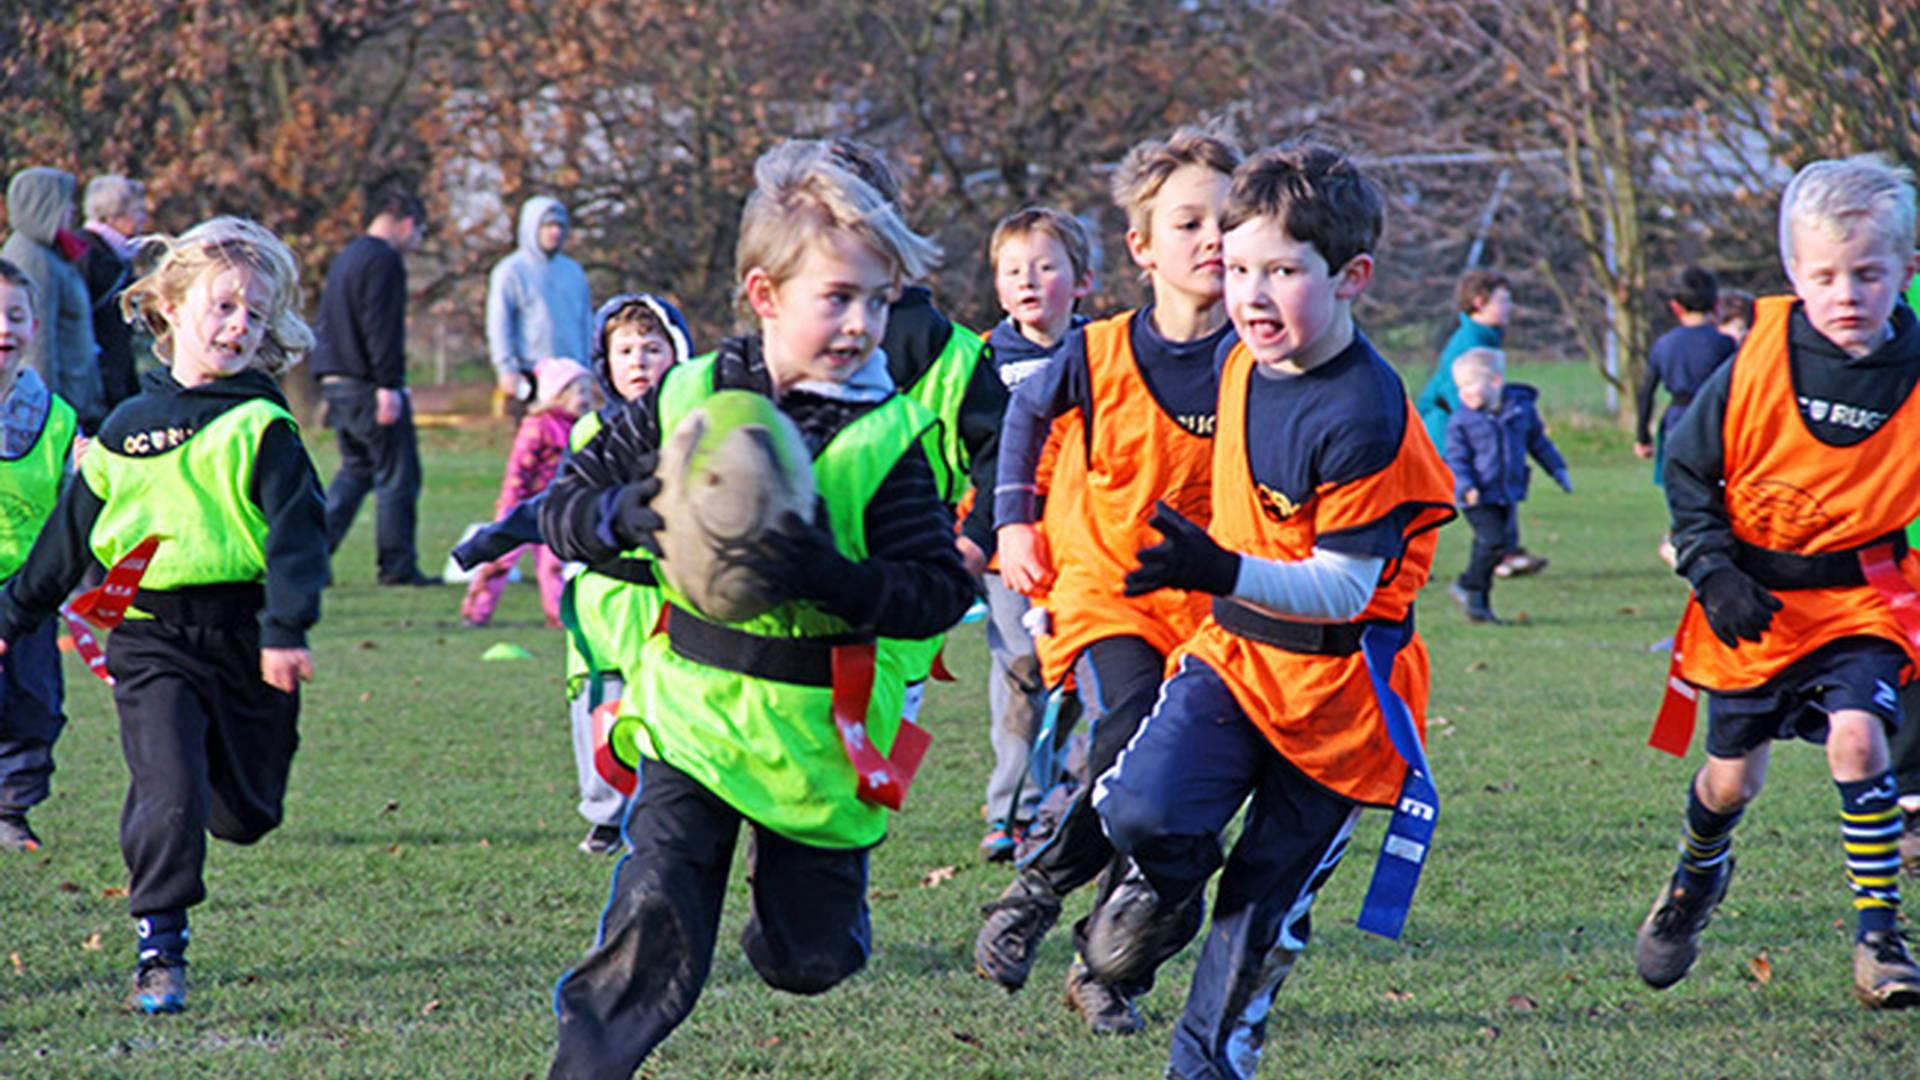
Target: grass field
point(410, 917)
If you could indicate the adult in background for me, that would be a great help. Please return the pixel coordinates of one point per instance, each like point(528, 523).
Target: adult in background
point(116, 210)
point(538, 305)
point(361, 362)
point(39, 205)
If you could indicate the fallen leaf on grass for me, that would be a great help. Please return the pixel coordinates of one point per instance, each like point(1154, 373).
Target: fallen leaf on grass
point(769, 1042)
point(1629, 610)
point(366, 696)
point(113, 892)
point(939, 875)
point(1761, 968)
point(394, 850)
point(1521, 1003)
point(1477, 665)
point(68, 886)
point(391, 806)
point(1489, 1032)
point(1398, 995)
point(486, 843)
point(367, 645)
point(18, 967)
point(427, 1009)
point(1520, 617)
point(92, 944)
point(967, 1037)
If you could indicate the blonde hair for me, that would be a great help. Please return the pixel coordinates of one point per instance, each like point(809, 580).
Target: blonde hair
point(215, 245)
point(1045, 220)
point(1144, 171)
point(1833, 195)
point(800, 195)
point(1479, 367)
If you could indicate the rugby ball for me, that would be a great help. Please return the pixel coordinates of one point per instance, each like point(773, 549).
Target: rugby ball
point(730, 470)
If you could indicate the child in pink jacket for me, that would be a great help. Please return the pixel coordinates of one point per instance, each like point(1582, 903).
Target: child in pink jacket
point(563, 390)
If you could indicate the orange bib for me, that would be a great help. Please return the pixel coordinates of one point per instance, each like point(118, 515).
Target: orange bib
point(1788, 491)
point(1098, 502)
point(1320, 712)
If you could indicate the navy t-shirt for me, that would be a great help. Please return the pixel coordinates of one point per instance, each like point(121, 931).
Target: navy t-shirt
point(1340, 422)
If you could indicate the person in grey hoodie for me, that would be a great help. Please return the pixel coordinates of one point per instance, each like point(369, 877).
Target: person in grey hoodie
point(538, 304)
point(39, 205)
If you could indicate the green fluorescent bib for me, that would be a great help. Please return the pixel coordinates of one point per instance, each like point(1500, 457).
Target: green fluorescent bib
point(770, 749)
point(611, 617)
point(197, 494)
point(30, 486)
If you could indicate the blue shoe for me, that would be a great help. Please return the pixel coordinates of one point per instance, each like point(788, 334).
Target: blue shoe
point(159, 986)
point(998, 844)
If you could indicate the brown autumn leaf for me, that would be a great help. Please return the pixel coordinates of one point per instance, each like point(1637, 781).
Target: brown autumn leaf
point(939, 875)
point(1490, 1032)
point(1398, 995)
point(1476, 666)
point(18, 967)
point(68, 886)
point(113, 892)
point(92, 944)
point(427, 1009)
point(1521, 1003)
point(1761, 968)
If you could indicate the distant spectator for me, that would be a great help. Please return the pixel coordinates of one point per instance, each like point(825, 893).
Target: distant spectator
point(1733, 314)
point(361, 362)
point(1484, 299)
point(116, 210)
point(39, 205)
point(538, 304)
point(1681, 358)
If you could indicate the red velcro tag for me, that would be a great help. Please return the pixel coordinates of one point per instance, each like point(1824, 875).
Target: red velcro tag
point(611, 769)
point(940, 672)
point(86, 645)
point(882, 782)
point(1679, 708)
point(1881, 572)
point(105, 606)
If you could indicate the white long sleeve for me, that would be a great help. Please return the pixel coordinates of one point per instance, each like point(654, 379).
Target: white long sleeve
point(1325, 587)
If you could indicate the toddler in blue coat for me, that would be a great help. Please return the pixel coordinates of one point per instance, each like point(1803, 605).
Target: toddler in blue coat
point(1488, 443)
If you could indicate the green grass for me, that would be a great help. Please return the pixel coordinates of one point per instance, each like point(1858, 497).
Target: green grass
point(413, 912)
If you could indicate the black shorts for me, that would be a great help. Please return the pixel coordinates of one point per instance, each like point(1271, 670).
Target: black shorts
point(1852, 673)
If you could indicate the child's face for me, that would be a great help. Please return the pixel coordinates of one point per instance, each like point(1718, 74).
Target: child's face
point(1181, 248)
point(826, 319)
point(636, 360)
point(218, 325)
point(577, 398)
point(1849, 285)
point(1033, 277)
point(1479, 393)
point(16, 333)
point(1496, 309)
point(1284, 302)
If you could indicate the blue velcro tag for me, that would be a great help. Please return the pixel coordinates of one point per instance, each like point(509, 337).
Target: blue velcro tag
point(1410, 832)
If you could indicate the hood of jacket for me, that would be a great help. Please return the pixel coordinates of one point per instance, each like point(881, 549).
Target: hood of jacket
point(37, 199)
point(663, 311)
point(534, 211)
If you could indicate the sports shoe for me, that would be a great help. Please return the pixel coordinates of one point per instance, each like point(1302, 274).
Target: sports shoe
point(1884, 976)
point(601, 840)
point(16, 834)
point(1910, 841)
point(414, 579)
point(1005, 947)
point(998, 844)
point(159, 986)
point(1669, 939)
point(1519, 563)
point(1475, 606)
point(1106, 1010)
point(1134, 931)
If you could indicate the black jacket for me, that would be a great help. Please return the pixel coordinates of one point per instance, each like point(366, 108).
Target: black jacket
point(916, 334)
point(362, 323)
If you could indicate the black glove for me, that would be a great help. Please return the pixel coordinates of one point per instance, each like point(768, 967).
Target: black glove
point(798, 561)
point(635, 523)
point(1187, 559)
point(1736, 606)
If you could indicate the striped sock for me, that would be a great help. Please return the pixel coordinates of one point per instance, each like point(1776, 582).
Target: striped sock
point(1870, 829)
point(1706, 842)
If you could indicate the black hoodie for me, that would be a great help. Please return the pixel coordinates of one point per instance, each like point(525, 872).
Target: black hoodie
point(284, 486)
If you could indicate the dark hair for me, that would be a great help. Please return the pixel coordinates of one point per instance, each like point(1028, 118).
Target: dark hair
point(18, 278)
point(1734, 304)
point(1046, 221)
point(397, 202)
point(635, 314)
point(1316, 193)
point(1475, 286)
point(864, 160)
point(1695, 290)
